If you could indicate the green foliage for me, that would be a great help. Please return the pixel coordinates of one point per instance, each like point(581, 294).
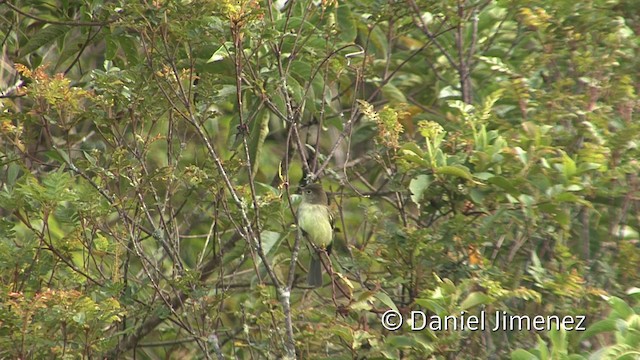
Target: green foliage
point(622, 322)
point(481, 157)
point(56, 323)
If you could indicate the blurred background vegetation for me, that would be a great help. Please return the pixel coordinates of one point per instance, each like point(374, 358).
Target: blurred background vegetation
point(481, 155)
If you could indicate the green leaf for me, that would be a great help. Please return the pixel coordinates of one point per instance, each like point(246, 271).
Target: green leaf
point(602, 326)
point(463, 107)
point(269, 240)
point(222, 52)
point(432, 305)
point(335, 121)
point(410, 156)
point(575, 187)
point(477, 196)
point(293, 23)
point(377, 38)
point(12, 173)
point(543, 350)
point(295, 89)
point(522, 155)
point(111, 48)
point(566, 197)
point(80, 317)
point(63, 154)
point(562, 218)
point(413, 148)
point(418, 186)
point(346, 23)
point(130, 48)
point(558, 340)
point(363, 302)
point(526, 200)
point(72, 48)
point(43, 37)
point(401, 341)
point(449, 92)
point(475, 299)
point(522, 354)
point(622, 309)
point(504, 184)
point(385, 299)
point(455, 170)
point(301, 69)
point(634, 292)
point(568, 167)
point(393, 94)
point(344, 333)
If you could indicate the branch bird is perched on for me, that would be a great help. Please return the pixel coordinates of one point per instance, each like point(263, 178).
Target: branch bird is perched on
point(316, 224)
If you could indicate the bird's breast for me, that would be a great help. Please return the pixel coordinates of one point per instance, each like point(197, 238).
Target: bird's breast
point(313, 220)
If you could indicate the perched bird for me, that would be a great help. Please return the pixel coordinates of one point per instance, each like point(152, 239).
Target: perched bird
point(315, 222)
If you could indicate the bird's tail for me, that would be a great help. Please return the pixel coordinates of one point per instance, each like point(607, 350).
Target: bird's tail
point(314, 278)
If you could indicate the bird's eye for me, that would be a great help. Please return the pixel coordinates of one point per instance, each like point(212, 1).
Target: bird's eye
point(308, 191)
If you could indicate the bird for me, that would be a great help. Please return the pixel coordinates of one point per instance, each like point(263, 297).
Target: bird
point(315, 223)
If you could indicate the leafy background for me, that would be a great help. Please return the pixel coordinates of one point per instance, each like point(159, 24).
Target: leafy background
point(480, 156)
